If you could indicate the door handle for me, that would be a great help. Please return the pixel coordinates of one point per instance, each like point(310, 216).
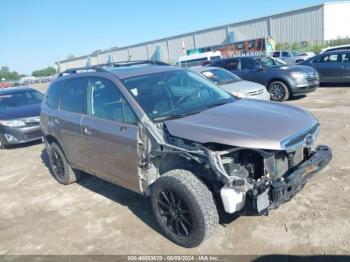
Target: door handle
point(122, 128)
point(87, 131)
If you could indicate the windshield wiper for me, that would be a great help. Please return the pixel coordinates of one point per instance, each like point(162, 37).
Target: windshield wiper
point(175, 116)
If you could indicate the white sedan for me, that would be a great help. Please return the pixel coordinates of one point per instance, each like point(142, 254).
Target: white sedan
point(232, 84)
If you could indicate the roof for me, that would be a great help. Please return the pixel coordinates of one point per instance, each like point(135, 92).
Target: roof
point(13, 90)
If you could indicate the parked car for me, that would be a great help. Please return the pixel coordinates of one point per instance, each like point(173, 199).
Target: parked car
point(335, 48)
point(292, 57)
point(302, 56)
point(280, 79)
point(198, 59)
point(287, 56)
point(170, 134)
point(332, 67)
point(19, 115)
point(232, 83)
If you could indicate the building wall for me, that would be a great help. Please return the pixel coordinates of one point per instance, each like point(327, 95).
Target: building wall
point(298, 26)
point(295, 26)
point(336, 20)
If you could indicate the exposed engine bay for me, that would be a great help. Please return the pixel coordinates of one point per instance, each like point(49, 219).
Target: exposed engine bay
point(235, 173)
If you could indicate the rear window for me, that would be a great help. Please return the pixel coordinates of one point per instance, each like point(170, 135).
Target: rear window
point(276, 54)
point(74, 95)
point(22, 98)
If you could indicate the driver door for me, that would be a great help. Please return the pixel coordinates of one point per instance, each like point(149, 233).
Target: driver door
point(109, 133)
point(251, 70)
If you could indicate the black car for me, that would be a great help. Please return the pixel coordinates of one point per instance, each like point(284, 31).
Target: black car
point(19, 115)
point(280, 79)
point(332, 67)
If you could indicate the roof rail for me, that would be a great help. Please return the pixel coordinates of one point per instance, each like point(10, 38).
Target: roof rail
point(87, 68)
point(100, 67)
point(133, 62)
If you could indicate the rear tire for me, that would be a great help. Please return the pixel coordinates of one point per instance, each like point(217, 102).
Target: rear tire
point(278, 91)
point(184, 207)
point(60, 167)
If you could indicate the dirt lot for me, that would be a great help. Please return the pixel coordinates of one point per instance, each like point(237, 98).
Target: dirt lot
point(40, 216)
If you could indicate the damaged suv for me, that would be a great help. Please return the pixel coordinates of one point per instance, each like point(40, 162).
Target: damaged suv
point(170, 134)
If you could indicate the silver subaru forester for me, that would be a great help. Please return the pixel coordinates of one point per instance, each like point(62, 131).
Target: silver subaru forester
point(175, 136)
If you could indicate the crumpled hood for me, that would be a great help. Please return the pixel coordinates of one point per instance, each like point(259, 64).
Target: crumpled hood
point(20, 112)
point(242, 86)
point(244, 123)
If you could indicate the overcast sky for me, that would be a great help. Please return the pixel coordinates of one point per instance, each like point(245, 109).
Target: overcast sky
point(35, 33)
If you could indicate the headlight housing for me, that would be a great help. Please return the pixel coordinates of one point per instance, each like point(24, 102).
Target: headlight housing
point(240, 94)
point(13, 123)
point(298, 76)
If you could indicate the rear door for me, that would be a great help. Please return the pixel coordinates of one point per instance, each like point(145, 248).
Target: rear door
point(72, 109)
point(328, 67)
point(110, 135)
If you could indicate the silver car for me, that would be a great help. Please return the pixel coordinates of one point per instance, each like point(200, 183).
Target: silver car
point(168, 133)
point(232, 84)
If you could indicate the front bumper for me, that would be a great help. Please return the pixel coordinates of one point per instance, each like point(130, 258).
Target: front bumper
point(19, 135)
point(283, 190)
point(305, 88)
point(264, 96)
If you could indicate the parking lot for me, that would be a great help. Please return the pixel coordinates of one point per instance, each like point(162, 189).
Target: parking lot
point(40, 216)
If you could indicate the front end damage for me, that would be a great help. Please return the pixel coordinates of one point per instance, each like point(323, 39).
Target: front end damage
point(268, 178)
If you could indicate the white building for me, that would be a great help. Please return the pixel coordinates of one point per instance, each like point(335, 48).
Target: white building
point(318, 23)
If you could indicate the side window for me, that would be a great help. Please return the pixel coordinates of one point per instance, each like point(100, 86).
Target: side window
point(53, 95)
point(74, 95)
point(232, 64)
point(332, 58)
point(276, 54)
point(286, 54)
point(248, 64)
point(105, 101)
point(346, 58)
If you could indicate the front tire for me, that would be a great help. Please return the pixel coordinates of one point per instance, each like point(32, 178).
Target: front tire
point(2, 144)
point(184, 207)
point(278, 91)
point(60, 167)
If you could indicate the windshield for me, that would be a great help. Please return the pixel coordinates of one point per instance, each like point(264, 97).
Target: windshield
point(220, 76)
point(271, 62)
point(17, 99)
point(175, 94)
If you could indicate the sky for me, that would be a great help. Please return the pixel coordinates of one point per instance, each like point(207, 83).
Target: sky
point(35, 34)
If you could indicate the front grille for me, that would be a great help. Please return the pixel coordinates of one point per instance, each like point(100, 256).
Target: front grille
point(256, 93)
point(311, 76)
point(32, 121)
point(300, 137)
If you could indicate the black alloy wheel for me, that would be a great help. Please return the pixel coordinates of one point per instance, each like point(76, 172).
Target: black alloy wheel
point(175, 213)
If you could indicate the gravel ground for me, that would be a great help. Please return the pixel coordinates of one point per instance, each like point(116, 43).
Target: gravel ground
point(40, 216)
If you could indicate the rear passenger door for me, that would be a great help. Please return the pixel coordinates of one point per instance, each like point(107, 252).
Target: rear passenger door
point(109, 131)
point(67, 121)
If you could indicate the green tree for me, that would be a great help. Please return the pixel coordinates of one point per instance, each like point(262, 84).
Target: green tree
point(7, 74)
point(49, 71)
